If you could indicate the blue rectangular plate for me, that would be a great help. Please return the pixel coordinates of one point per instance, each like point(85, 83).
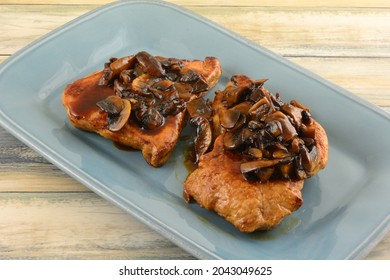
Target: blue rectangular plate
point(346, 206)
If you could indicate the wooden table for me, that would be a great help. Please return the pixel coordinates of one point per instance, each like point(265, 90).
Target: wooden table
point(45, 214)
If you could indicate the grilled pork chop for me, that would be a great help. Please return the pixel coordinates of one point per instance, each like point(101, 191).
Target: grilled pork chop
point(263, 151)
point(140, 100)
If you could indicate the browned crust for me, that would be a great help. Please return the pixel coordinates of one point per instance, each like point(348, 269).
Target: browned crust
point(217, 184)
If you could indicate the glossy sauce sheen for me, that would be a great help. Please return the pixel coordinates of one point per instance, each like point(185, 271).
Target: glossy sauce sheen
point(90, 92)
point(85, 103)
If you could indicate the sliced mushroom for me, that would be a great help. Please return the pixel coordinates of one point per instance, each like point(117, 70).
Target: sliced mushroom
point(243, 107)
point(121, 64)
point(254, 125)
point(287, 129)
point(309, 158)
point(248, 135)
point(276, 101)
point(299, 171)
point(294, 112)
point(151, 119)
point(170, 107)
point(296, 144)
point(306, 117)
point(259, 83)
point(250, 166)
point(280, 154)
point(232, 140)
point(142, 84)
point(120, 88)
point(265, 174)
point(199, 107)
point(172, 64)
point(274, 128)
point(256, 95)
point(125, 76)
point(280, 151)
point(260, 108)
point(196, 81)
point(203, 136)
point(200, 86)
point(229, 118)
point(150, 64)
point(188, 76)
point(107, 75)
point(255, 153)
point(184, 90)
point(234, 94)
point(112, 105)
point(308, 131)
point(163, 86)
point(308, 141)
point(117, 121)
point(164, 89)
point(286, 169)
point(241, 121)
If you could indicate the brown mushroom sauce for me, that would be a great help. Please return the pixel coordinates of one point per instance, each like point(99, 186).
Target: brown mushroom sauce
point(276, 139)
point(154, 87)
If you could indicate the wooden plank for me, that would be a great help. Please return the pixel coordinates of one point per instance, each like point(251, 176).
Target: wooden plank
point(75, 226)
point(365, 77)
point(310, 32)
point(39, 178)
point(24, 170)
point(3, 58)
point(235, 3)
point(381, 251)
point(23, 24)
point(285, 3)
point(82, 226)
point(287, 31)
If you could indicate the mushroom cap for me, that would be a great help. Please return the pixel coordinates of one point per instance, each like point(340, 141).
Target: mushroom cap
point(121, 119)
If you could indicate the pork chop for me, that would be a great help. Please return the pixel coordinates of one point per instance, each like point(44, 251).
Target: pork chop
point(263, 152)
point(140, 100)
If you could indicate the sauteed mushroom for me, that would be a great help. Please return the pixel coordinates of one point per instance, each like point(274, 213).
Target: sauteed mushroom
point(151, 119)
point(232, 141)
point(118, 111)
point(234, 94)
point(150, 64)
point(275, 138)
point(229, 118)
point(203, 136)
point(115, 67)
point(196, 81)
point(199, 107)
point(112, 104)
point(155, 87)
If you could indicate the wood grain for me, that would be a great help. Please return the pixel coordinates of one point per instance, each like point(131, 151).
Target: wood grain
point(235, 3)
point(46, 214)
point(287, 31)
point(75, 226)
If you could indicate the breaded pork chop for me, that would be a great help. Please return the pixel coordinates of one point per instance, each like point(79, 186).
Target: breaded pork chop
point(263, 152)
point(140, 100)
